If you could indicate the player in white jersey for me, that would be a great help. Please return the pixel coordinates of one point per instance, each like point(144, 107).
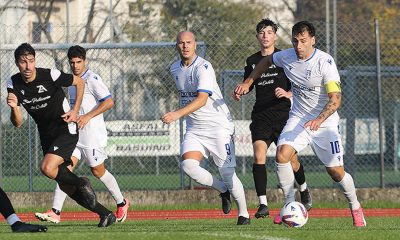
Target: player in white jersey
point(313, 118)
point(209, 125)
point(92, 135)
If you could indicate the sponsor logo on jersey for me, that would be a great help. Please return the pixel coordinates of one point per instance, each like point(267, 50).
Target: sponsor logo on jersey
point(330, 61)
point(265, 82)
point(22, 92)
point(55, 148)
point(41, 89)
point(206, 66)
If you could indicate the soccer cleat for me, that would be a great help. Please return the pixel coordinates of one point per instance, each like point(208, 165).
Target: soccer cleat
point(20, 227)
point(262, 211)
point(278, 219)
point(48, 216)
point(122, 212)
point(306, 200)
point(243, 220)
point(107, 220)
point(226, 201)
point(88, 194)
point(358, 217)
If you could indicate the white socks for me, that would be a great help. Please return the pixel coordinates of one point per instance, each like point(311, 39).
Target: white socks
point(263, 200)
point(109, 181)
point(59, 198)
point(286, 180)
point(349, 190)
point(192, 168)
point(13, 218)
point(235, 186)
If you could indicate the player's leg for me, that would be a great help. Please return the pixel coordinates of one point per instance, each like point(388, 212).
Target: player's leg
point(54, 214)
point(305, 195)
point(8, 212)
point(327, 145)
point(260, 177)
point(95, 159)
point(222, 149)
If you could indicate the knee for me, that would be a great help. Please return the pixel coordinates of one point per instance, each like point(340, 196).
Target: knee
point(48, 170)
point(98, 172)
point(259, 158)
point(336, 174)
point(281, 157)
point(189, 165)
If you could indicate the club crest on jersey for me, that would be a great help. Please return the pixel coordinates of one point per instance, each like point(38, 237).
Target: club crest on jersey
point(41, 89)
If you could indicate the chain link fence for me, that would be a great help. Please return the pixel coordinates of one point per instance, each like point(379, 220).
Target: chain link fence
point(144, 153)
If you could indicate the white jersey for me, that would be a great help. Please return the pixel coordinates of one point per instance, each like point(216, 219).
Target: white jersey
point(94, 134)
point(308, 78)
point(200, 77)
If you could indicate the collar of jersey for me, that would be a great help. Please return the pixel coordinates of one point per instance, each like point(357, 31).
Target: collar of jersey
point(312, 55)
point(87, 69)
point(191, 63)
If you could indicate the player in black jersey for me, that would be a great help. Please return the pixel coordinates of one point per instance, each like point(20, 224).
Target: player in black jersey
point(39, 90)
point(269, 115)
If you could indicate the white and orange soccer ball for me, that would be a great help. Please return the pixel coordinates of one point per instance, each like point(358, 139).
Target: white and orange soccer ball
point(294, 214)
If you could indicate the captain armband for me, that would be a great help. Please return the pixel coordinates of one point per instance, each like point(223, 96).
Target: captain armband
point(333, 86)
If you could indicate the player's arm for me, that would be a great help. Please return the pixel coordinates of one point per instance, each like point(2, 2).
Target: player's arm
point(247, 70)
point(104, 106)
point(197, 103)
point(244, 87)
point(72, 115)
point(335, 100)
point(16, 113)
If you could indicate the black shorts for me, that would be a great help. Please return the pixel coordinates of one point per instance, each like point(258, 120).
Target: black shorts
point(267, 125)
point(62, 145)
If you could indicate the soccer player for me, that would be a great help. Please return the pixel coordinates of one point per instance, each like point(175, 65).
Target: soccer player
point(269, 115)
point(92, 135)
point(40, 91)
point(8, 212)
point(313, 118)
point(209, 125)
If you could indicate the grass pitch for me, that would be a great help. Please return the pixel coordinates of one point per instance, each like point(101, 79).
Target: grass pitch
point(316, 228)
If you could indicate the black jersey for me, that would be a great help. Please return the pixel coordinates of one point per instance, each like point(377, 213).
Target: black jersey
point(44, 99)
point(265, 85)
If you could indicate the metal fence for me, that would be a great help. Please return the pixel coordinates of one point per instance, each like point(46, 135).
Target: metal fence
point(144, 153)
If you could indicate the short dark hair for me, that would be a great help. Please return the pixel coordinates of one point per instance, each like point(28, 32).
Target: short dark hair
point(76, 52)
point(265, 23)
point(23, 50)
point(303, 26)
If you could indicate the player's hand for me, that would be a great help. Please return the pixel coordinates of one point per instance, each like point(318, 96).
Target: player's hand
point(280, 93)
point(242, 89)
point(313, 124)
point(236, 96)
point(169, 117)
point(12, 100)
point(83, 120)
point(70, 116)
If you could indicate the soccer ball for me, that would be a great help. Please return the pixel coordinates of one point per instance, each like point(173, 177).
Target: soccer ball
point(294, 214)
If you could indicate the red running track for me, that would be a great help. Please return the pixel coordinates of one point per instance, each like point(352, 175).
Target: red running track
point(212, 214)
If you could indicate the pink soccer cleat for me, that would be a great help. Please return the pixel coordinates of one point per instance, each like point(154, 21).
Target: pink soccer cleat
point(358, 218)
point(48, 216)
point(122, 212)
point(278, 219)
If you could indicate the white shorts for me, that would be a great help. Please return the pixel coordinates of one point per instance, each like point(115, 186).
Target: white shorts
point(325, 142)
point(221, 147)
point(93, 157)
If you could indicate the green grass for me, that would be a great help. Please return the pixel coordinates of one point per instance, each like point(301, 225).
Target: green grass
point(316, 228)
